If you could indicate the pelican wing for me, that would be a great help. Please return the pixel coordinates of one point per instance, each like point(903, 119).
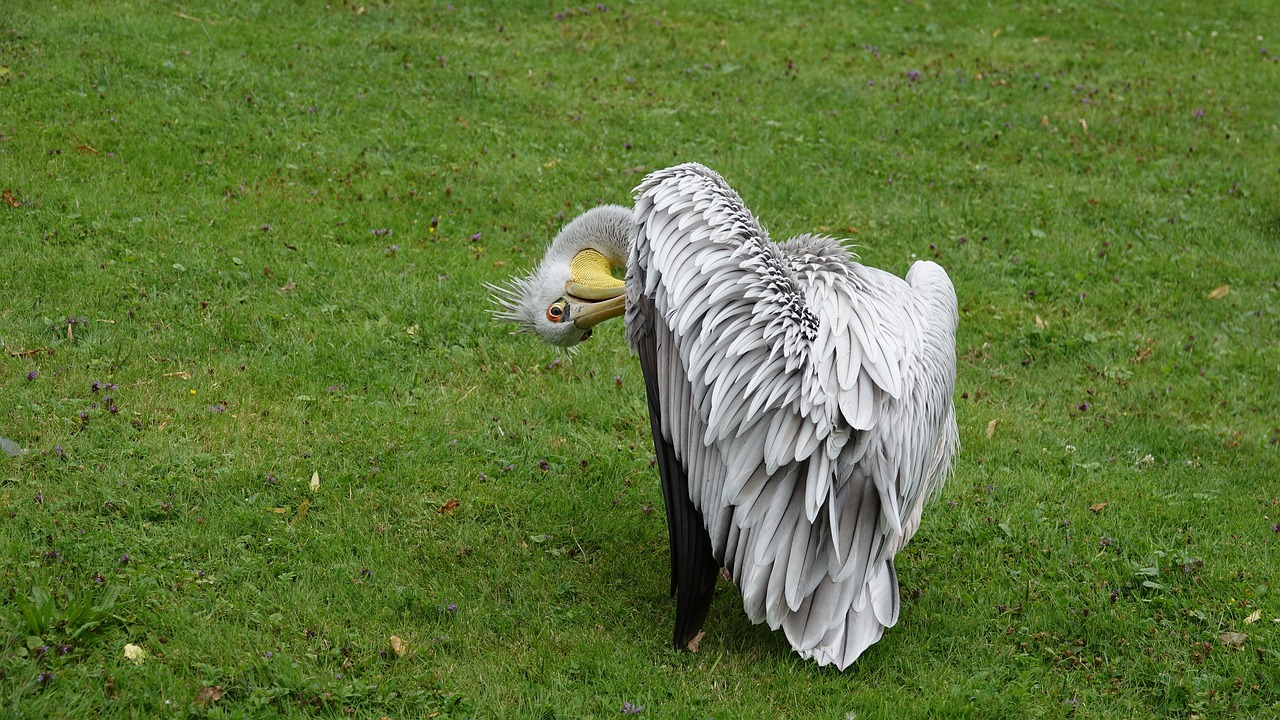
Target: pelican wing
point(801, 404)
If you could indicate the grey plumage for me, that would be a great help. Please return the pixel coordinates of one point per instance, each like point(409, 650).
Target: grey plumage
point(801, 406)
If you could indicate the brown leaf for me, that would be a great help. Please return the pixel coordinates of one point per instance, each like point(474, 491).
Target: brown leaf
point(1233, 639)
point(449, 506)
point(1219, 292)
point(303, 507)
point(991, 427)
point(10, 199)
point(1144, 353)
point(1097, 507)
point(288, 287)
point(209, 694)
point(398, 646)
point(87, 149)
point(693, 644)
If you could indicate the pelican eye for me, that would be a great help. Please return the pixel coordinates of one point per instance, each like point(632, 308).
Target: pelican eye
point(558, 311)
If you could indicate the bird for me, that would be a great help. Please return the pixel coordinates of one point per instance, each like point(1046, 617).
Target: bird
point(801, 403)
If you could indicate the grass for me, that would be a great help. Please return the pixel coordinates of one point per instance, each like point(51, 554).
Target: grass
point(263, 228)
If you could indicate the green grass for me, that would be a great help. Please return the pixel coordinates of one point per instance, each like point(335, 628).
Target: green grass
point(196, 187)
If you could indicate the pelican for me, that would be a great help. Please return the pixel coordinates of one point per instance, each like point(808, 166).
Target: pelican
point(801, 403)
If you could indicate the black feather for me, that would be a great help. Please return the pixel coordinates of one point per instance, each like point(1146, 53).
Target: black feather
point(693, 566)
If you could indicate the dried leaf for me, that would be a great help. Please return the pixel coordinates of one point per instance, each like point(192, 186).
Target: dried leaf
point(303, 507)
point(29, 353)
point(135, 653)
point(1084, 125)
point(183, 374)
point(1233, 639)
point(991, 427)
point(289, 286)
point(1144, 353)
point(449, 506)
point(280, 510)
point(209, 694)
point(315, 481)
point(1219, 292)
point(693, 644)
point(1040, 323)
point(1254, 617)
point(8, 197)
point(412, 330)
point(398, 646)
point(1097, 507)
point(87, 149)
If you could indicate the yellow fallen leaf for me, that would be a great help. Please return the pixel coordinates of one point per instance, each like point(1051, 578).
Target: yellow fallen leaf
point(1219, 292)
point(135, 653)
point(398, 646)
point(280, 511)
point(302, 512)
point(1097, 507)
point(1084, 125)
point(315, 481)
point(1254, 617)
point(991, 427)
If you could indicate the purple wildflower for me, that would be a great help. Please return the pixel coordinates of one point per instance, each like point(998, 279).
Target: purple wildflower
point(453, 607)
point(33, 374)
point(1105, 542)
point(631, 709)
point(543, 465)
point(913, 75)
point(44, 678)
point(57, 450)
point(1197, 113)
point(265, 227)
point(39, 498)
point(124, 559)
point(475, 237)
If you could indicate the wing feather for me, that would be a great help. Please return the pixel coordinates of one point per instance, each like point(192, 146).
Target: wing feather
point(810, 405)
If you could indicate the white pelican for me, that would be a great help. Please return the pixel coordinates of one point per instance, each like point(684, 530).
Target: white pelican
point(801, 402)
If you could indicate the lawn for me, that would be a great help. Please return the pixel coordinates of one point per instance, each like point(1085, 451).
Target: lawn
point(267, 454)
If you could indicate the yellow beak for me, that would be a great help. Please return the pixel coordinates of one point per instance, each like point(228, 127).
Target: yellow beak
point(601, 303)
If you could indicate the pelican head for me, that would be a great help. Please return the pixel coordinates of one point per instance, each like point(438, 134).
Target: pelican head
point(573, 289)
